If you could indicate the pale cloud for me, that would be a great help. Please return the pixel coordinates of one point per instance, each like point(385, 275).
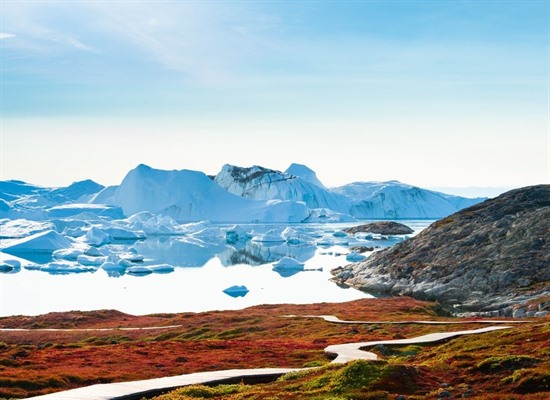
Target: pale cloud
point(4, 35)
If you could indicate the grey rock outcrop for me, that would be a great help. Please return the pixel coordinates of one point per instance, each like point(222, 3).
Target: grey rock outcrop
point(381, 227)
point(489, 258)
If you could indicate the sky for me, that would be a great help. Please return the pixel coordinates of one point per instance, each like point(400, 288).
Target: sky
point(432, 93)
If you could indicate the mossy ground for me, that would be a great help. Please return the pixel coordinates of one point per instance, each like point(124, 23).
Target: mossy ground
point(508, 364)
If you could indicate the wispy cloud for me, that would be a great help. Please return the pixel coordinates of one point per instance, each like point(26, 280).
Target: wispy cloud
point(6, 35)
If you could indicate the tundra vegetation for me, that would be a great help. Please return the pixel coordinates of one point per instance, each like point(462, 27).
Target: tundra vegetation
point(506, 364)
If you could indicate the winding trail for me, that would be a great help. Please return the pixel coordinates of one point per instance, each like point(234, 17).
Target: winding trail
point(352, 351)
point(344, 353)
point(336, 320)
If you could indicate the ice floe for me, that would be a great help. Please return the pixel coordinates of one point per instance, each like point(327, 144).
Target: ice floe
point(236, 291)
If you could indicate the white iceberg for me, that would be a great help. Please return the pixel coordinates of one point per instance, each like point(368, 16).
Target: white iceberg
point(139, 270)
point(43, 242)
point(161, 268)
point(97, 237)
point(66, 267)
point(271, 236)
point(70, 254)
point(288, 263)
point(91, 260)
point(19, 228)
point(192, 196)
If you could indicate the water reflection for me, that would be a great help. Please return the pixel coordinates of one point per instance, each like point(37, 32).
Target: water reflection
point(256, 253)
point(179, 251)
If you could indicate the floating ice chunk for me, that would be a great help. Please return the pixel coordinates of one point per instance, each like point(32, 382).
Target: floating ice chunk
point(272, 236)
point(89, 260)
point(339, 234)
point(161, 268)
point(131, 257)
point(211, 233)
point(93, 252)
point(5, 267)
point(292, 236)
point(323, 215)
point(123, 234)
point(9, 266)
point(235, 233)
point(324, 242)
point(97, 237)
point(355, 257)
point(236, 291)
point(139, 270)
point(152, 224)
point(20, 228)
point(112, 266)
point(44, 242)
point(66, 267)
point(288, 263)
point(70, 254)
point(288, 266)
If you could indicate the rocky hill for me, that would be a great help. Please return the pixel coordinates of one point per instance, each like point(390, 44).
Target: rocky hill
point(492, 257)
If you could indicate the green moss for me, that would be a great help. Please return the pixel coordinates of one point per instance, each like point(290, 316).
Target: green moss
point(204, 392)
point(358, 374)
point(103, 341)
point(506, 363)
point(201, 333)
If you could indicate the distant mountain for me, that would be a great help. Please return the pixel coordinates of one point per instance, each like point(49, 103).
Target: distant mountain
point(491, 257)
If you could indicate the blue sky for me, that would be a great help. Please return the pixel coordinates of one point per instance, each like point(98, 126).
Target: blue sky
point(434, 93)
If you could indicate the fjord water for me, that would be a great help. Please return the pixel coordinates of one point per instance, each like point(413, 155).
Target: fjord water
point(204, 268)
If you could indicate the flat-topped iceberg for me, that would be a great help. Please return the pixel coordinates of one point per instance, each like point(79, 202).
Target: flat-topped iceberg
point(43, 242)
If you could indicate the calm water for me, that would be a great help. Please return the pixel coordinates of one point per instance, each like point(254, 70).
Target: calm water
point(204, 267)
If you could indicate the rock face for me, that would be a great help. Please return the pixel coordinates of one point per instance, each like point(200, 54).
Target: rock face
point(490, 257)
point(381, 228)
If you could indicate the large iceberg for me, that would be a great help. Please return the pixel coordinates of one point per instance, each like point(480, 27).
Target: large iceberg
point(261, 183)
point(307, 174)
point(395, 200)
point(186, 195)
point(43, 242)
point(361, 200)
